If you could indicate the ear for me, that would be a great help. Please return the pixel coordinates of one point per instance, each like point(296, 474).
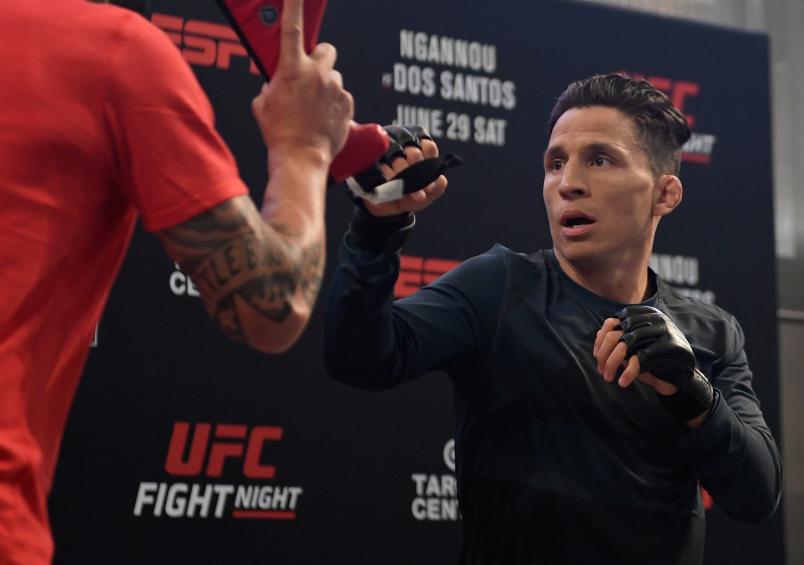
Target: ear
point(668, 194)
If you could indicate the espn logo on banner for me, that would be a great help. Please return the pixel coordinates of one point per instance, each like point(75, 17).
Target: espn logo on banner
point(416, 272)
point(205, 44)
point(700, 146)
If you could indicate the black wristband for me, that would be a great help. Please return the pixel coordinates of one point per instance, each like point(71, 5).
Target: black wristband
point(374, 233)
point(693, 400)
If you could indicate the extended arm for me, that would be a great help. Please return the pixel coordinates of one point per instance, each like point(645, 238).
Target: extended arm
point(259, 272)
point(258, 280)
point(375, 343)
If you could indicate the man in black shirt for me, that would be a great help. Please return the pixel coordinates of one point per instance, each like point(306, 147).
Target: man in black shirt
point(591, 397)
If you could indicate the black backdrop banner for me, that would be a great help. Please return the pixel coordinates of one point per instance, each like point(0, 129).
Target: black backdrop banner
point(183, 447)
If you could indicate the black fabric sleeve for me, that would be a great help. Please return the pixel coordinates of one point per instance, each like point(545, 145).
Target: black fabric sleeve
point(733, 452)
point(372, 342)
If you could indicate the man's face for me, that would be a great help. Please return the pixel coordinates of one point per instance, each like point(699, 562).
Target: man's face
point(598, 188)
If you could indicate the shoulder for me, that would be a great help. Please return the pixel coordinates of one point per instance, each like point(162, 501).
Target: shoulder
point(149, 71)
point(106, 26)
point(702, 322)
point(683, 305)
point(489, 264)
point(502, 259)
point(497, 269)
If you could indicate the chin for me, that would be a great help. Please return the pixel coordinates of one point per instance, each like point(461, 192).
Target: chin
point(583, 253)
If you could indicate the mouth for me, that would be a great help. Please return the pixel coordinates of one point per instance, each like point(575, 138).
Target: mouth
point(575, 223)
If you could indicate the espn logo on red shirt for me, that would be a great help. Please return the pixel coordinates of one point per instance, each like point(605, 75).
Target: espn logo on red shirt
point(210, 451)
point(416, 272)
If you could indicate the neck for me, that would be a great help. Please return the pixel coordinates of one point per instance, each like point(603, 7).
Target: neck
point(624, 280)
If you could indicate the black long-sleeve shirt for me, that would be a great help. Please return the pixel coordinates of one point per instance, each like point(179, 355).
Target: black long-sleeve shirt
point(554, 464)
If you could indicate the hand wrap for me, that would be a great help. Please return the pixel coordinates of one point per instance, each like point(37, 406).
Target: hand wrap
point(372, 186)
point(386, 234)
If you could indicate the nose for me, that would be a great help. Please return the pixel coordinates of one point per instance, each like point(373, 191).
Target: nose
point(573, 183)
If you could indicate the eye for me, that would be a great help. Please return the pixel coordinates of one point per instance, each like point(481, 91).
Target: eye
point(602, 161)
point(555, 165)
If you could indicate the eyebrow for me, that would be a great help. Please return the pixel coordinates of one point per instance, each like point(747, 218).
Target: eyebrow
point(603, 147)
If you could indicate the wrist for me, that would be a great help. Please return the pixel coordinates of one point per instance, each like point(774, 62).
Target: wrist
point(693, 402)
point(297, 183)
point(374, 233)
point(307, 154)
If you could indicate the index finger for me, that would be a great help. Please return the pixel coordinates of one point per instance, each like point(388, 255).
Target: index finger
point(291, 47)
point(608, 325)
point(429, 148)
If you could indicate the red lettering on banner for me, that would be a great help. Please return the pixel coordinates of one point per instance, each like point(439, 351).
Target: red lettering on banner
point(677, 90)
point(205, 44)
point(175, 464)
point(233, 446)
point(252, 467)
point(220, 451)
point(415, 272)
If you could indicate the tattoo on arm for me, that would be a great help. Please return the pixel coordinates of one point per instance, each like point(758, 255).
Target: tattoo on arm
point(234, 259)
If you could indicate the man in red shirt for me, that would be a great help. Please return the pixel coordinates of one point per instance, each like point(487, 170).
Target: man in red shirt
point(101, 120)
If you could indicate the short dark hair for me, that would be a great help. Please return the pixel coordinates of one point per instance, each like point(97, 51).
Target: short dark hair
point(662, 128)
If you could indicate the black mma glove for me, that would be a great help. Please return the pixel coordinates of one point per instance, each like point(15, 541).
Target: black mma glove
point(664, 352)
point(372, 186)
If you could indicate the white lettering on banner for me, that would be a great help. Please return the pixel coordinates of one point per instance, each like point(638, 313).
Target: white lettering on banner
point(430, 119)
point(173, 500)
point(435, 509)
point(681, 270)
point(435, 485)
point(480, 90)
point(414, 79)
point(426, 48)
point(449, 455)
point(184, 500)
point(676, 269)
point(700, 144)
point(144, 496)
point(267, 497)
point(436, 495)
point(430, 82)
point(181, 284)
point(490, 131)
point(199, 500)
point(175, 504)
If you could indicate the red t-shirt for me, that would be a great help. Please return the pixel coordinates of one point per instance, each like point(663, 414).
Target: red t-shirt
point(100, 119)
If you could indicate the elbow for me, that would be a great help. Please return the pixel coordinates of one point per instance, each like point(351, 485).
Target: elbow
point(760, 503)
point(340, 370)
point(763, 506)
point(757, 512)
point(344, 367)
point(268, 336)
point(272, 346)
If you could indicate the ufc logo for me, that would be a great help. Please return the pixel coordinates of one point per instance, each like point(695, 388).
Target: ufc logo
point(678, 91)
point(415, 272)
point(203, 43)
point(230, 441)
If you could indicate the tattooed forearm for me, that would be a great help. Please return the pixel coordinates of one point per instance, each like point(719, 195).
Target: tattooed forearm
point(243, 267)
point(309, 273)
